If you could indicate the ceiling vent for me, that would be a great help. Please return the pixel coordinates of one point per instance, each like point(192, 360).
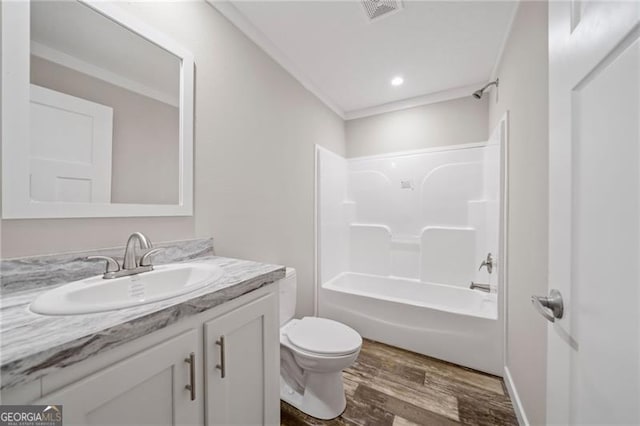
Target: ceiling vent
point(378, 8)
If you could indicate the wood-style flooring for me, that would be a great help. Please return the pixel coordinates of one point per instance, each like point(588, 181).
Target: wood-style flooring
point(391, 386)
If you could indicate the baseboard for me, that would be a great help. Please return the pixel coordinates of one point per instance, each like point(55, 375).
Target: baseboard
point(515, 399)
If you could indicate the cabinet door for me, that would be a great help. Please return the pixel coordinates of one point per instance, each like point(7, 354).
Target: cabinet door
point(242, 361)
point(149, 388)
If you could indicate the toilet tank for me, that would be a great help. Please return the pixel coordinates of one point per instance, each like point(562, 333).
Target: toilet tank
point(287, 296)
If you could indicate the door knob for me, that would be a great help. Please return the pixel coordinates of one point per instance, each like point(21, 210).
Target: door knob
point(550, 307)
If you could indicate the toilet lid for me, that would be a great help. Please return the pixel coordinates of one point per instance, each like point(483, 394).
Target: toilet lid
point(324, 336)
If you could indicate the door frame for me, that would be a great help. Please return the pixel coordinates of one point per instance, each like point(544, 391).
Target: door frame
point(504, 270)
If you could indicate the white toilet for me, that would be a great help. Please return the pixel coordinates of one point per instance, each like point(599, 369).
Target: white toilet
point(313, 353)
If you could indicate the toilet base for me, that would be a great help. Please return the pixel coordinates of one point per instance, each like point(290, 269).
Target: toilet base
point(323, 396)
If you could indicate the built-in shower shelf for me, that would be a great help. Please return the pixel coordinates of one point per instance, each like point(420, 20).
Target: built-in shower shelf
point(378, 226)
point(402, 240)
point(406, 244)
point(406, 240)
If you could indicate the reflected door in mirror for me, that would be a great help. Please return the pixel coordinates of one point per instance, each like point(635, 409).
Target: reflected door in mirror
point(70, 150)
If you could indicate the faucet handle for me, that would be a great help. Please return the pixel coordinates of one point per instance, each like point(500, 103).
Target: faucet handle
point(145, 259)
point(488, 263)
point(112, 264)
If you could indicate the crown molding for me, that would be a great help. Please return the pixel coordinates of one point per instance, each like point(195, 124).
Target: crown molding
point(57, 57)
point(229, 11)
point(431, 98)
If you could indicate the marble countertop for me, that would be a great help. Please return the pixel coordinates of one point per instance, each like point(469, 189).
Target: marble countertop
point(33, 345)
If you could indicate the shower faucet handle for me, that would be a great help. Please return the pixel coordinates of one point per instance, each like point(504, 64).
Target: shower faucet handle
point(488, 263)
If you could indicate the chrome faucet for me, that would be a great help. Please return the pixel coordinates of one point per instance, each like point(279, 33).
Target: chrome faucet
point(488, 263)
point(131, 264)
point(481, 287)
point(130, 260)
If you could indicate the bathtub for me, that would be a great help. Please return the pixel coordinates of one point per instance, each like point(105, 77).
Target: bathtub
point(451, 323)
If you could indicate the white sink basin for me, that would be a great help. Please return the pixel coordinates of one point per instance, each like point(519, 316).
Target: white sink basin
point(96, 294)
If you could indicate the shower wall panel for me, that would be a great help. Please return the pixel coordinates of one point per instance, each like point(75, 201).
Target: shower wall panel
point(430, 216)
point(334, 214)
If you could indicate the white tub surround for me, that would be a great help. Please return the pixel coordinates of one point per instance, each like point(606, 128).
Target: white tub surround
point(400, 241)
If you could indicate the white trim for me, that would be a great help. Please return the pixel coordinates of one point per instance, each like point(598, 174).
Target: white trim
point(505, 40)
point(420, 151)
point(515, 398)
point(316, 223)
point(504, 228)
point(53, 55)
point(229, 11)
point(431, 98)
point(16, 203)
point(15, 106)
point(502, 265)
point(328, 151)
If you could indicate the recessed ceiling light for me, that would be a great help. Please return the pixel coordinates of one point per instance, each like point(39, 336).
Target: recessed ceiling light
point(397, 81)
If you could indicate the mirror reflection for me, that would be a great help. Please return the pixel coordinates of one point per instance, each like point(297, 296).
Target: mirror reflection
point(104, 118)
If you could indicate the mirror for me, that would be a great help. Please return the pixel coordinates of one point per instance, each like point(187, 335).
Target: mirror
point(97, 114)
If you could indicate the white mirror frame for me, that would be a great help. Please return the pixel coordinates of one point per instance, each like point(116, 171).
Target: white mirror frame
point(16, 202)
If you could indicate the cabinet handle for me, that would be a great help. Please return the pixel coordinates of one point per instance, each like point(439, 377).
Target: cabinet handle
point(192, 375)
point(221, 366)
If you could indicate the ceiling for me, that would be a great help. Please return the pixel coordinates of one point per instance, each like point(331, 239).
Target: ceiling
point(348, 61)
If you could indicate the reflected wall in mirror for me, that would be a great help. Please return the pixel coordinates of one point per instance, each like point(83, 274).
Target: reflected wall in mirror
point(104, 118)
point(104, 110)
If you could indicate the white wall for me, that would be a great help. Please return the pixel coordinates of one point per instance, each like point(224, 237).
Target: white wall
point(523, 73)
point(255, 131)
point(451, 122)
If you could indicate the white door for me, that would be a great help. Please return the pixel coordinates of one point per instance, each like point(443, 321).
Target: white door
point(242, 362)
point(70, 150)
point(593, 372)
point(148, 388)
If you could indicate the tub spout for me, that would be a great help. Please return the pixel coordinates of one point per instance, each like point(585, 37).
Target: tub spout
point(478, 286)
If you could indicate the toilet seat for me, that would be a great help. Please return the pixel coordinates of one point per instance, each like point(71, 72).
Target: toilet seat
point(323, 336)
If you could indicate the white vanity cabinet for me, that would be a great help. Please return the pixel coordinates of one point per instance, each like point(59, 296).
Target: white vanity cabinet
point(148, 388)
point(147, 380)
point(240, 360)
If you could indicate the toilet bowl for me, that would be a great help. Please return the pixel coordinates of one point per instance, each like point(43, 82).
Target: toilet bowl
point(313, 353)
